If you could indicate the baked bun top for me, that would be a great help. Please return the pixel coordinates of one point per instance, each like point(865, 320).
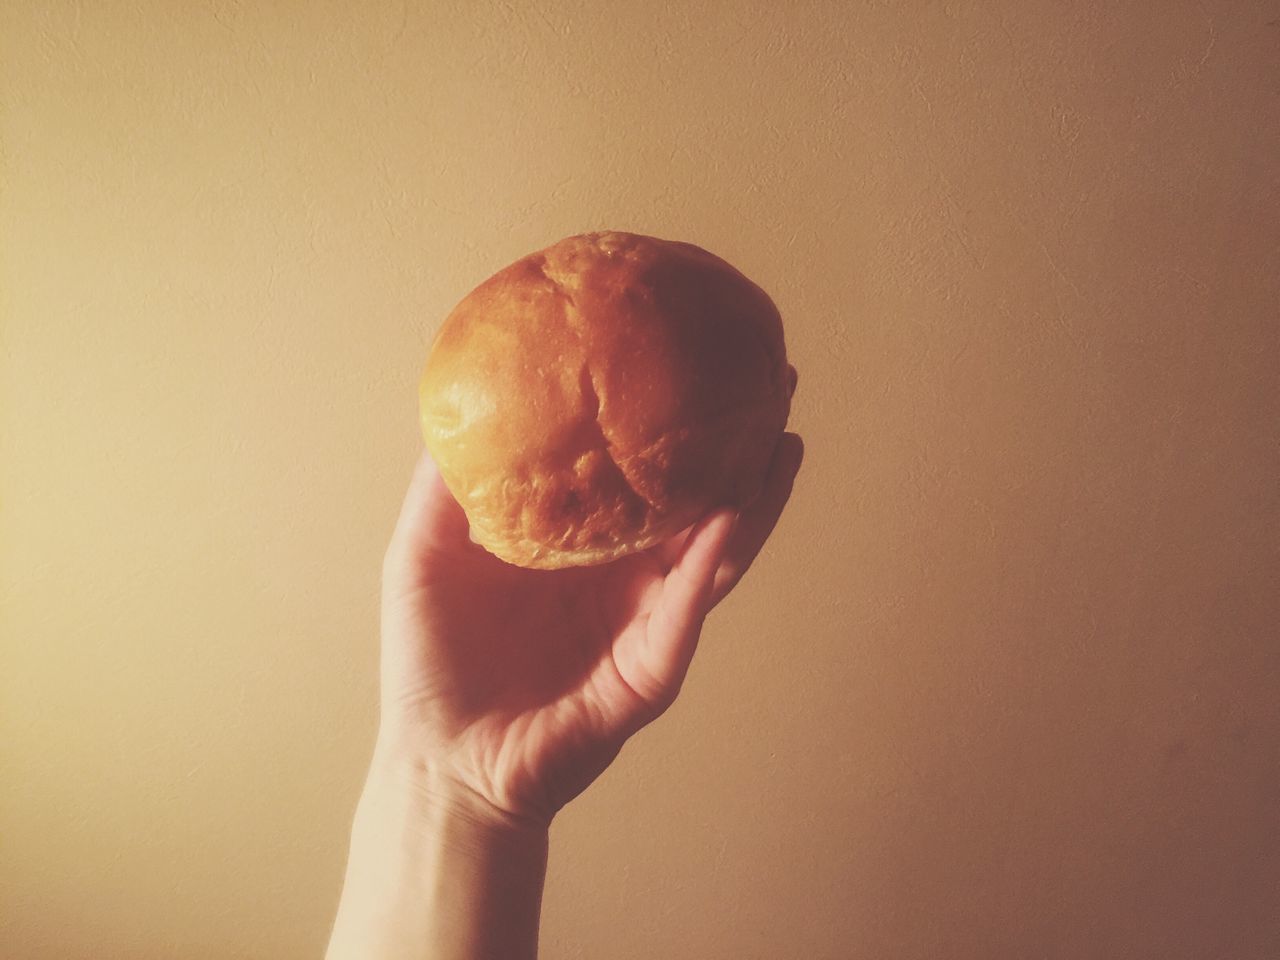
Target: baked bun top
point(597, 397)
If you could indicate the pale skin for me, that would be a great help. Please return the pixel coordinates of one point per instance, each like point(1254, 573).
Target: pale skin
point(504, 693)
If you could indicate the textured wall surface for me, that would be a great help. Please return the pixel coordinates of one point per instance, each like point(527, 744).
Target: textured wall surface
point(1005, 683)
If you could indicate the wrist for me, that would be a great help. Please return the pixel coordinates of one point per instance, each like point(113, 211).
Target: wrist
point(430, 788)
point(436, 871)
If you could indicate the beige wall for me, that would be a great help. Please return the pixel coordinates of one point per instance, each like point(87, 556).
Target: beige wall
point(1004, 685)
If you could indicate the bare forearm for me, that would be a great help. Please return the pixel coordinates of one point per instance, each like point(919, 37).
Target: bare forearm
point(430, 878)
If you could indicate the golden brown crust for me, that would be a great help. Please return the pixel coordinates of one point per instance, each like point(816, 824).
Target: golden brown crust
point(597, 397)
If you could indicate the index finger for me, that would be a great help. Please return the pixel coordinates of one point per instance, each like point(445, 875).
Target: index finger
point(430, 517)
point(759, 519)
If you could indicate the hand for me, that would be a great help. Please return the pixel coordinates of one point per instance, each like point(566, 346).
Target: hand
point(516, 688)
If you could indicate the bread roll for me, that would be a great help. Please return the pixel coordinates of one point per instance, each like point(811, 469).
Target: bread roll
point(597, 397)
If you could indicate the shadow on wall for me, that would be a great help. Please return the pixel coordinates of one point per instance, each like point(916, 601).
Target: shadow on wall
point(1079, 669)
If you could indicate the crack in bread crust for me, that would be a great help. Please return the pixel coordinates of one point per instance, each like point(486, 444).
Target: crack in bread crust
point(573, 319)
point(606, 446)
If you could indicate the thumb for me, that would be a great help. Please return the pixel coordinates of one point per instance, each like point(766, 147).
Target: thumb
point(671, 637)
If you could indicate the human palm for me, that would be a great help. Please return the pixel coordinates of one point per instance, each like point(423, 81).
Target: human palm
point(522, 685)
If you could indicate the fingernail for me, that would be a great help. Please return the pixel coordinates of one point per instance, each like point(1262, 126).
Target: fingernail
point(798, 455)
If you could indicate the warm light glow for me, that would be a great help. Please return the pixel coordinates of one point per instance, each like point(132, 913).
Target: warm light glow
point(1004, 684)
